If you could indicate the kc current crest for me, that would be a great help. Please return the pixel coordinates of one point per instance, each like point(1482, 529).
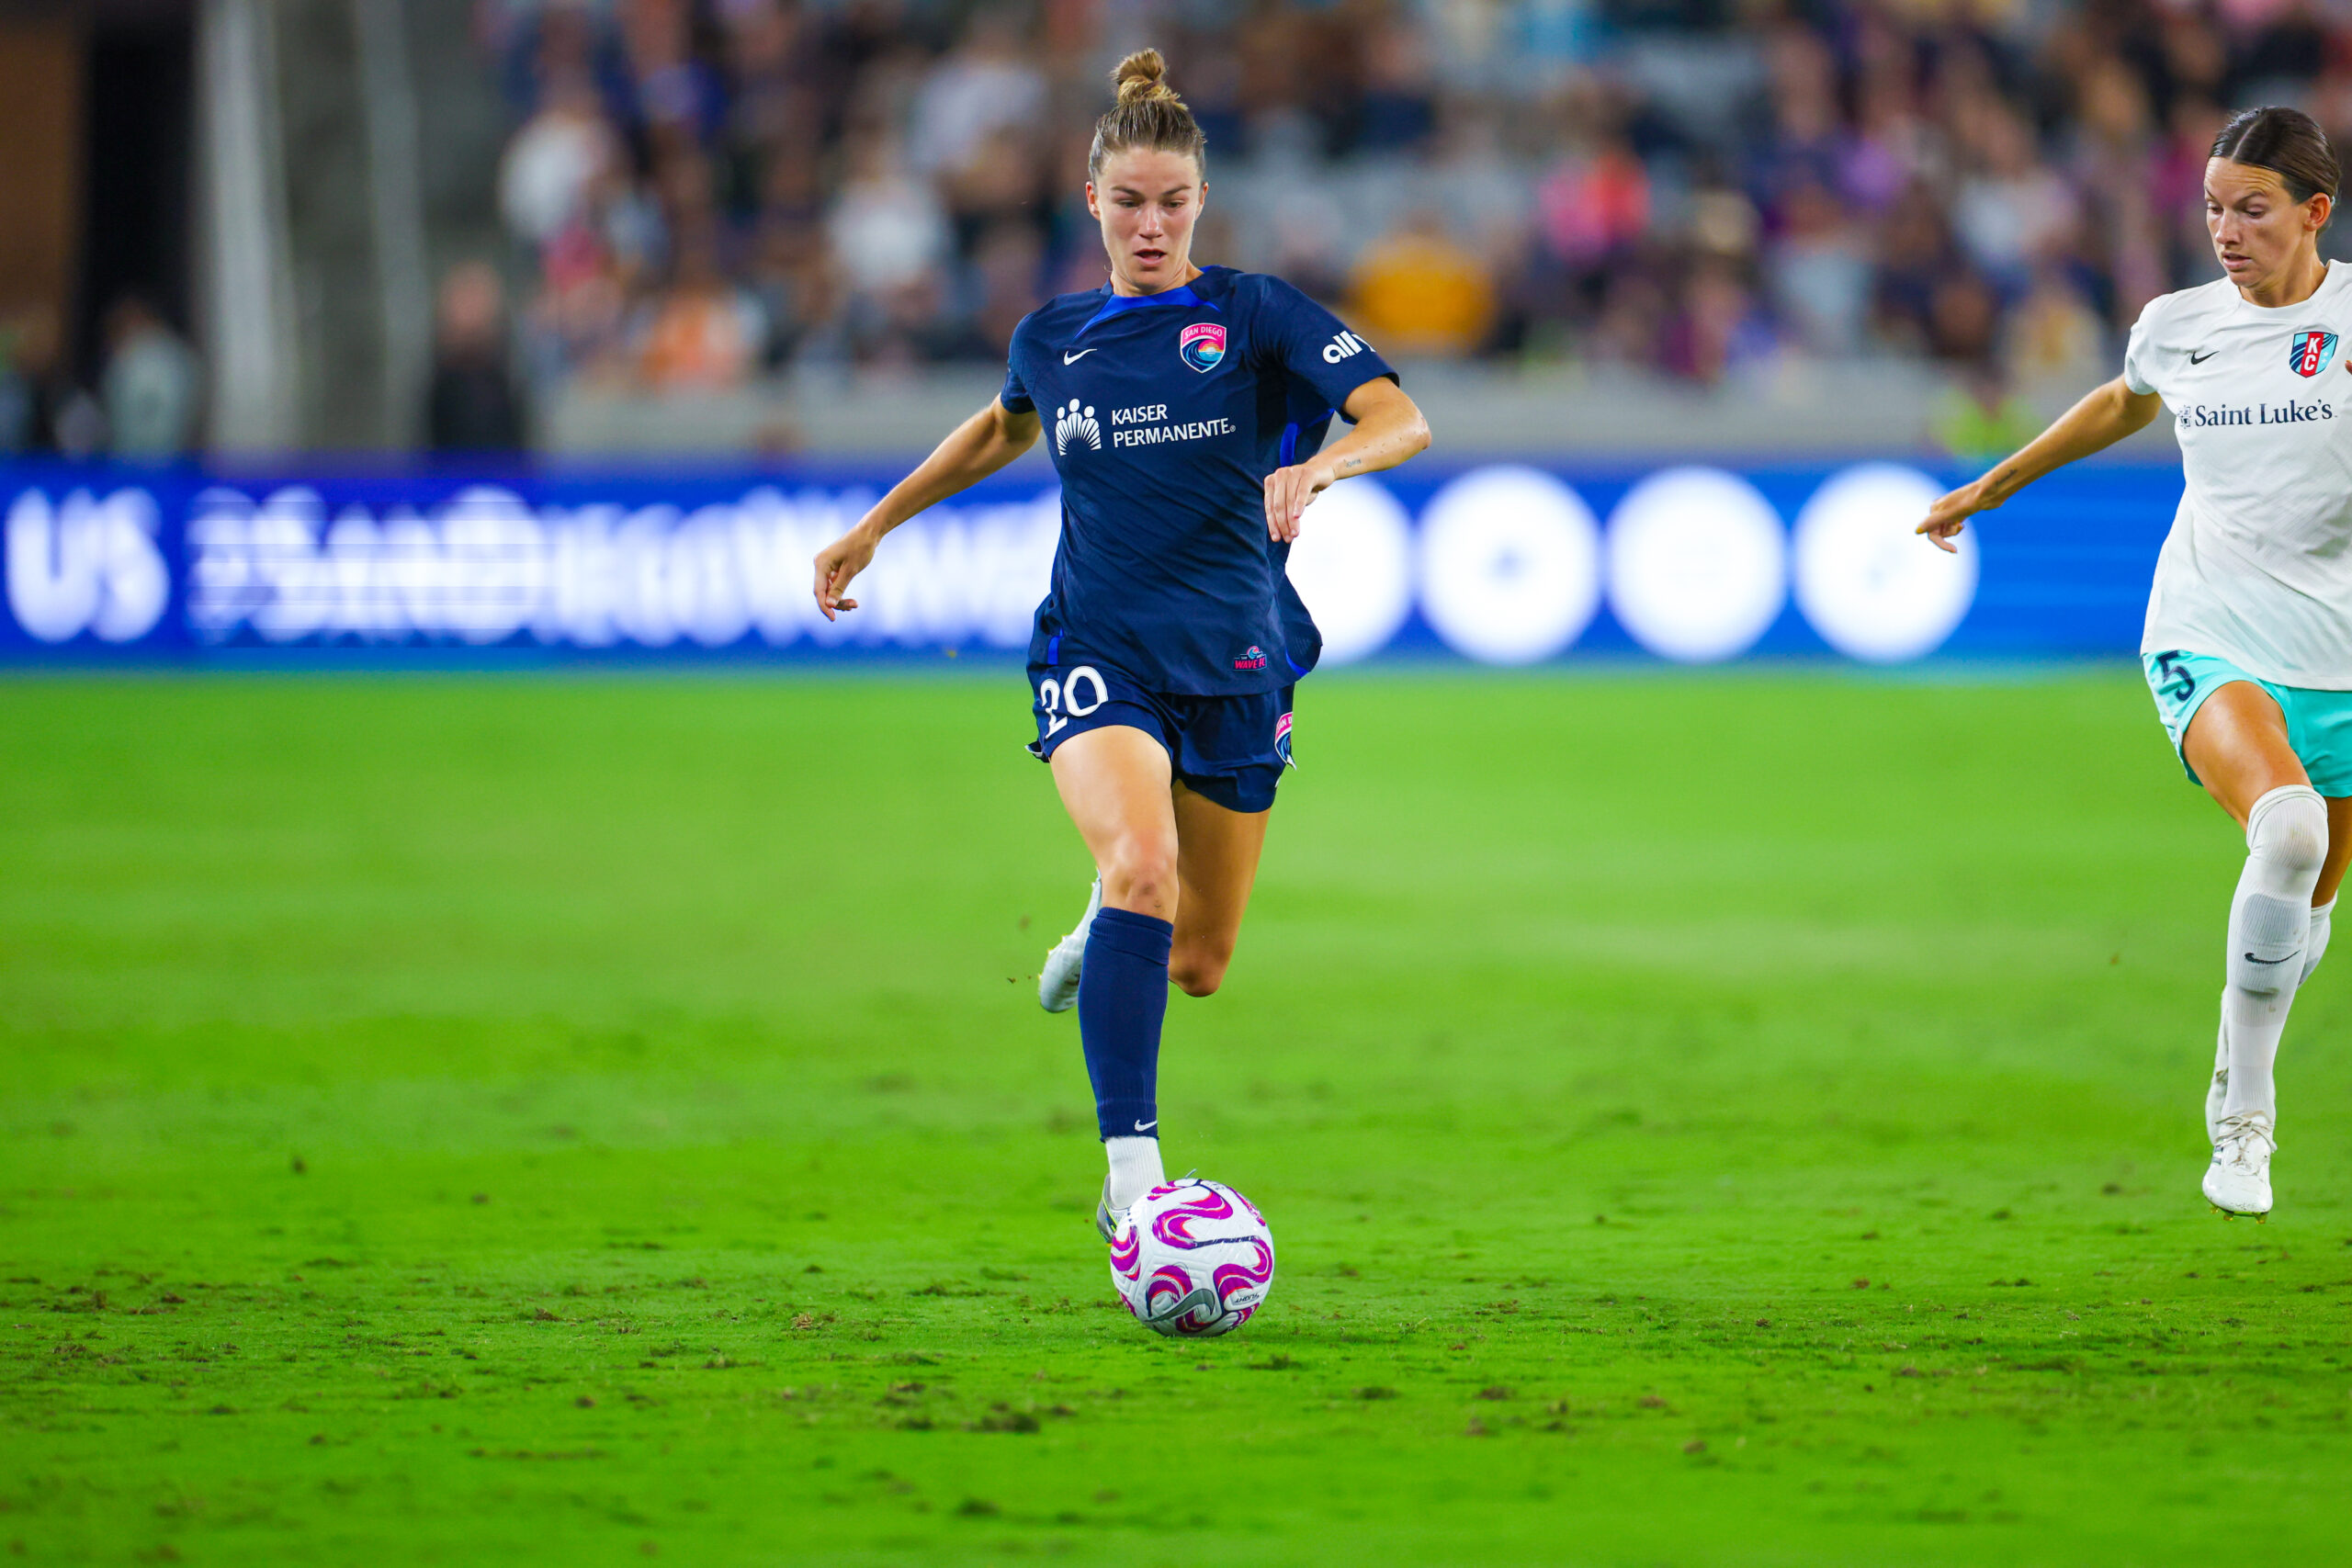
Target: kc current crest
point(2311, 351)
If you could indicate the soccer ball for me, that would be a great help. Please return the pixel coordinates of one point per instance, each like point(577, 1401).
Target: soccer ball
point(1193, 1258)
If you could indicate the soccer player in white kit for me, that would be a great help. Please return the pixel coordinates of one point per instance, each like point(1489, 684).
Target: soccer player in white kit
point(2248, 646)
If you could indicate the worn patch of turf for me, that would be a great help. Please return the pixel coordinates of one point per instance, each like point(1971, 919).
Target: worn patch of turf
point(1730, 1119)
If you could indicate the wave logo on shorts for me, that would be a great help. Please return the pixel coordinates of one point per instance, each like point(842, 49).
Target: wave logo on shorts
point(1203, 345)
point(1254, 658)
point(1282, 741)
point(2311, 352)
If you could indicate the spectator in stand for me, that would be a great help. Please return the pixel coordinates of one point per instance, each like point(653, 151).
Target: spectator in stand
point(1594, 206)
point(1721, 327)
point(1891, 147)
point(888, 229)
point(2195, 120)
point(2111, 160)
point(27, 367)
point(557, 157)
point(1915, 254)
point(1806, 148)
point(1397, 110)
point(999, 180)
point(703, 333)
point(792, 276)
point(1978, 419)
point(2010, 207)
point(1006, 270)
point(1418, 291)
point(43, 409)
point(472, 405)
point(1978, 411)
point(986, 86)
point(2054, 334)
point(1819, 271)
point(153, 385)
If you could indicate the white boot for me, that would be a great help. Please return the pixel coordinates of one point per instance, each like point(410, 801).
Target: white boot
point(2238, 1181)
point(1058, 981)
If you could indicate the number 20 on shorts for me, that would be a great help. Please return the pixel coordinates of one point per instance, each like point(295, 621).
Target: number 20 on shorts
point(1060, 702)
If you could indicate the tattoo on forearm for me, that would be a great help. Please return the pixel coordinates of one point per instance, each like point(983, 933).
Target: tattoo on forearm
point(1351, 463)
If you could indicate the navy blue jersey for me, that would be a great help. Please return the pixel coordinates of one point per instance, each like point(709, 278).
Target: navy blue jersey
point(1166, 412)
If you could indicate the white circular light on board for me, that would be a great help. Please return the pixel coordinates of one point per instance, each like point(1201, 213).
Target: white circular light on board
point(1870, 584)
point(1698, 564)
point(1352, 563)
point(1510, 565)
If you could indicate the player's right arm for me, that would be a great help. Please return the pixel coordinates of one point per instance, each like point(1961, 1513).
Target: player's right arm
point(2105, 416)
point(977, 448)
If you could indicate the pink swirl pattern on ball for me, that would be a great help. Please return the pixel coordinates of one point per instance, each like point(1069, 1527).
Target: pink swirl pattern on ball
point(1126, 1253)
point(1173, 1226)
point(1231, 1278)
point(1168, 1285)
point(1192, 1312)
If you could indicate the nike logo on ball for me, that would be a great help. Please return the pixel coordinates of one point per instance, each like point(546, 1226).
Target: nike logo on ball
point(2194, 358)
point(1074, 358)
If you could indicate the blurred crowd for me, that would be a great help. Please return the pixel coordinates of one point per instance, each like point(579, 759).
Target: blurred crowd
point(146, 404)
point(701, 192)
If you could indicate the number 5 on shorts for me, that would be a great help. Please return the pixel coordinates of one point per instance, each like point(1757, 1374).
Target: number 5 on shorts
point(1064, 695)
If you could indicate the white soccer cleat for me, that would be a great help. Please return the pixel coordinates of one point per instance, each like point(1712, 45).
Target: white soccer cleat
point(1058, 981)
point(1106, 1218)
point(2238, 1181)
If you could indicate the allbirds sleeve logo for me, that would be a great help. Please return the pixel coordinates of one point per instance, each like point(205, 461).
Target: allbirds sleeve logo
point(1073, 427)
point(1347, 346)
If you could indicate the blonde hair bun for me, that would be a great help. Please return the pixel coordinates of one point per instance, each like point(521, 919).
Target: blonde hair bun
point(1142, 77)
point(1149, 115)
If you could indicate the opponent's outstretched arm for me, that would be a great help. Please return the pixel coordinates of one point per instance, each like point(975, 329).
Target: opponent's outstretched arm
point(1389, 430)
point(2105, 416)
point(974, 450)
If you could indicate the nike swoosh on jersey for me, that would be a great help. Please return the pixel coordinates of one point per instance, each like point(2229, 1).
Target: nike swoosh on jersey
point(2194, 358)
point(1074, 358)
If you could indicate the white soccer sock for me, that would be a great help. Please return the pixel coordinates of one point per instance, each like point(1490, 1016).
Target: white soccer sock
point(1135, 1168)
point(2270, 925)
point(2315, 945)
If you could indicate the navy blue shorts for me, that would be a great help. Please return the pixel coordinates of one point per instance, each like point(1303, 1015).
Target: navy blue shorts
point(1230, 749)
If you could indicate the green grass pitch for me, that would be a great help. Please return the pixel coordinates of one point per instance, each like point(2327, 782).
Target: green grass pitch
point(1738, 1118)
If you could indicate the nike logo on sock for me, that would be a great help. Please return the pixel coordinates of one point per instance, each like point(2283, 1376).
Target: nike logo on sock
point(1074, 358)
point(1147, 1126)
point(2196, 358)
point(2250, 958)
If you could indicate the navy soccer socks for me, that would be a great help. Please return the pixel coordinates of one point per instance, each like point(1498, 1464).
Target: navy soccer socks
point(1121, 1002)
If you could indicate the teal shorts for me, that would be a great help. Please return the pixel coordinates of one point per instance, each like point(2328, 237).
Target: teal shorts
point(2319, 724)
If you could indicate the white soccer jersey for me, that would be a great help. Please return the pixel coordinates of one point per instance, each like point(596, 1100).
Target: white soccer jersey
point(2257, 568)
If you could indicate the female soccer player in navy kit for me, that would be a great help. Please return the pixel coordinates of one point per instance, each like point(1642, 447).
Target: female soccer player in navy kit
point(1186, 407)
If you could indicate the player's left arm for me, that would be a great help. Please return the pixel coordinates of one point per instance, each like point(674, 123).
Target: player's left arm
point(1389, 430)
